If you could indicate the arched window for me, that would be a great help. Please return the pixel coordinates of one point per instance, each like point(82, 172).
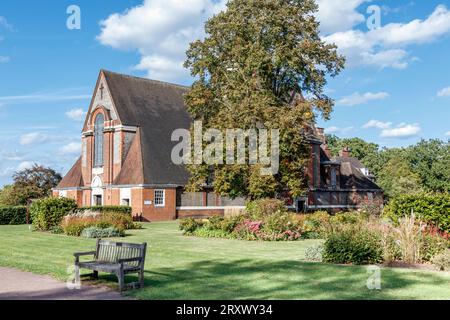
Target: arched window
point(98, 140)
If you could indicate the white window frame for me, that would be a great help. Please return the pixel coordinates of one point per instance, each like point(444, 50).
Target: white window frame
point(159, 197)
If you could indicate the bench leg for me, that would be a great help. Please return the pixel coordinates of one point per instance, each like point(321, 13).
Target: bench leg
point(141, 278)
point(77, 275)
point(95, 275)
point(121, 278)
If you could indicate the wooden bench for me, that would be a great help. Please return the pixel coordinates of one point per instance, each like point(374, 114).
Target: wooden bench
point(118, 258)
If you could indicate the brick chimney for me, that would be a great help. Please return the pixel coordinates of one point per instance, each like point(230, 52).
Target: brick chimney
point(345, 153)
point(321, 135)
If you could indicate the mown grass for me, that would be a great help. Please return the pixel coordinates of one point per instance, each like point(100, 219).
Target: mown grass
point(180, 267)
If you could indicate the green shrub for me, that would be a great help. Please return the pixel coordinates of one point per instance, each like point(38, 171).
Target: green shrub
point(314, 253)
point(259, 209)
point(48, 212)
point(317, 223)
point(430, 208)
point(189, 225)
point(13, 215)
point(431, 247)
point(119, 209)
point(56, 230)
point(209, 233)
point(118, 219)
point(96, 232)
point(442, 261)
point(353, 245)
point(279, 223)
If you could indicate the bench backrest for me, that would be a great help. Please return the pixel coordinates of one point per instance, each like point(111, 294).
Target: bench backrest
point(108, 251)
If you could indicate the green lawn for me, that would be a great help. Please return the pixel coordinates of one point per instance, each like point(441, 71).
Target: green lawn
point(181, 267)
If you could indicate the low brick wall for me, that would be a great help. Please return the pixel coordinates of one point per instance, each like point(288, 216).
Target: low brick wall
point(193, 213)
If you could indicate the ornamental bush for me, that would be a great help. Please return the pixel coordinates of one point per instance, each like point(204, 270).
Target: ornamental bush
point(13, 215)
point(74, 224)
point(95, 232)
point(189, 225)
point(49, 212)
point(430, 208)
point(259, 209)
point(353, 245)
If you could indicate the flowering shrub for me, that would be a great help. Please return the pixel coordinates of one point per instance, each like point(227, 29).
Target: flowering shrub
point(267, 220)
point(75, 223)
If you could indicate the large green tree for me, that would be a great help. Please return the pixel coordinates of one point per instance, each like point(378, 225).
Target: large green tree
point(262, 64)
point(32, 183)
point(396, 178)
point(430, 159)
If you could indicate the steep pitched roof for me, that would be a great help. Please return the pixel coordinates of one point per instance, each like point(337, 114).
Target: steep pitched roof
point(74, 178)
point(353, 178)
point(132, 171)
point(158, 109)
point(353, 160)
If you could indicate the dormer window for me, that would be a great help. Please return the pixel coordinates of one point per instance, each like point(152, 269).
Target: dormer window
point(98, 140)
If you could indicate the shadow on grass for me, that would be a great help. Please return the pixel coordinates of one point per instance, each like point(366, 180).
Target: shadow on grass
point(252, 279)
point(249, 279)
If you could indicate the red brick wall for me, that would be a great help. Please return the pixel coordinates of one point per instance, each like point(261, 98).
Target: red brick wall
point(152, 213)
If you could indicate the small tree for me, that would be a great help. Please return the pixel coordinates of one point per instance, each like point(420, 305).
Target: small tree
point(35, 182)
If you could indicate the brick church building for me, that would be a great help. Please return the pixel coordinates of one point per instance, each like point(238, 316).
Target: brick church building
point(126, 158)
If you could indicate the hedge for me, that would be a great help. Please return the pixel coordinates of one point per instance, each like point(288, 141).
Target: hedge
point(13, 215)
point(48, 212)
point(120, 209)
point(431, 208)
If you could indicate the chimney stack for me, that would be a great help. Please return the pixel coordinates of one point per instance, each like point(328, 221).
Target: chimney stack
point(345, 153)
point(321, 135)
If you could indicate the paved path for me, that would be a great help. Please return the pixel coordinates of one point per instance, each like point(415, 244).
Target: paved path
point(15, 284)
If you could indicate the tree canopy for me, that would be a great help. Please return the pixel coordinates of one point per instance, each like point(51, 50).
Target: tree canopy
point(261, 65)
point(424, 166)
point(32, 183)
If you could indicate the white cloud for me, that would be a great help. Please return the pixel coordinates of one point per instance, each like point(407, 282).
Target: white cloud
point(4, 59)
point(447, 133)
point(403, 130)
point(358, 99)
point(333, 129)
point(160, 30)
point(12, 156)
point(7, 172)
point(377, 124)
point(33, 138)
point(4, 23)
point(335, 16)
point(71, 148)
point(444, 92)
point(76, 114)
point(385, 47)
point(24, 165)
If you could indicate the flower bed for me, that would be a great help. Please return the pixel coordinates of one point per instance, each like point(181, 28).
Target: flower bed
point(98, 224)
point(265, 220)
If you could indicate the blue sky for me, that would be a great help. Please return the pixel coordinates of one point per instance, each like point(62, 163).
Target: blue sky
point(394, 91)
